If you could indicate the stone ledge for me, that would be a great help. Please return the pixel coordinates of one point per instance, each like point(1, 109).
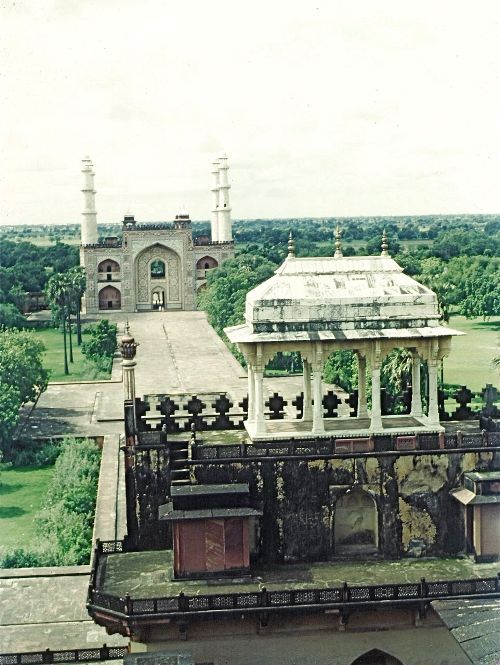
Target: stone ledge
point(60, 571)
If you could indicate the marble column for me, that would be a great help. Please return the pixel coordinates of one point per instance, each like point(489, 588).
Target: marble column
point(318, 424)
point(362, 409)
point(251, 393)
point(416, 399)
point(433, 413)
point(307, 408)
point(260, 426)
point(376, 415)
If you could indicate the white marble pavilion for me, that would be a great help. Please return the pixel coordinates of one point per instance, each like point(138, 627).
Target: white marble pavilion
point(320, 305)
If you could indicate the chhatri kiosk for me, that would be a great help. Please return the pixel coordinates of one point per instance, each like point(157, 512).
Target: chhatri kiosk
point(320, 305)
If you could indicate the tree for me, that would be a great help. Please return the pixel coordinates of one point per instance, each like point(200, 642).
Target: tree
point(22, 377)
point(341, 369)
point(10, 317)
point(78, 282)
point(21, 364)
point(10, 403)
point(482, 293)
point(59, 297)
point(396, 371)
point(101, 345)
point(227, 286)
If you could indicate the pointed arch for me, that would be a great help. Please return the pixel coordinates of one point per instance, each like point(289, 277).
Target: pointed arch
point(110, 298)
point(108, 265)
point(169, 278)
point(376, 657)
point(206, 263)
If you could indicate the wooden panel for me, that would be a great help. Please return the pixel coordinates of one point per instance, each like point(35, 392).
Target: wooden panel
point(490, 531)
point(234, 543)
point(192, 546)
point(214, 544)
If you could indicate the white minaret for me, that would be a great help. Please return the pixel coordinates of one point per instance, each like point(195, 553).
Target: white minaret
point(215, 191)
point(89, 222)
point(224, 210)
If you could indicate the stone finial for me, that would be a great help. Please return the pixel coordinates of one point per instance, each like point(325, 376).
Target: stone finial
point(385, 246)
point(338, 242)
point(291, 245)
point(128, 345)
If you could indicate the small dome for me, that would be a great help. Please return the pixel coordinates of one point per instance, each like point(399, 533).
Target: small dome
point(127, 337)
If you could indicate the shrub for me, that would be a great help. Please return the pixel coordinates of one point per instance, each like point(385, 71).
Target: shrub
point(68, 515)
point(27, 452)
point(65, 523)
point(21, 558)
point(102, 340)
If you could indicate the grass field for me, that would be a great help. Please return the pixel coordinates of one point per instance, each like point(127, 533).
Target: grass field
point(470, 361)
point(80, 370)
point(21, 494)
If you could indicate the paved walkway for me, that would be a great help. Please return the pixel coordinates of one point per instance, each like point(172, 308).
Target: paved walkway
point(178, 352)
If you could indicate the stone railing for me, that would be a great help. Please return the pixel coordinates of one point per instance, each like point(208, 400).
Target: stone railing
point(178, 413)
point(86, 655)
point(340, 597)
point(344, 447)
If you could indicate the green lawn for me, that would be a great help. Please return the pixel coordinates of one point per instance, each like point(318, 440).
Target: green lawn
point(80, 370)
point(470, 361)
point(21, 493)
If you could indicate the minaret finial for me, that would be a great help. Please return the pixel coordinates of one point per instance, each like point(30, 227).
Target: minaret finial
point(291, 245)
point(338, 242)
point(385, 246)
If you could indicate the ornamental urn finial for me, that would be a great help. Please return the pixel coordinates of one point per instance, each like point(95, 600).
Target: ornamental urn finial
point(385, 246)
point(128, 345)
point(338, 242)
point(291, 245)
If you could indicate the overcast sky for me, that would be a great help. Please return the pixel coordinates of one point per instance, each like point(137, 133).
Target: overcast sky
point(324, 107)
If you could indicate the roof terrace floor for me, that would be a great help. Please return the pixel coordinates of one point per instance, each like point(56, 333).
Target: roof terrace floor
point(149, 575)
point(276, 429)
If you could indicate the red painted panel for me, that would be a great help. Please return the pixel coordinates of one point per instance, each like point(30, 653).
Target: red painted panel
point(234, 542)
point(214, 545)
point(192, 546)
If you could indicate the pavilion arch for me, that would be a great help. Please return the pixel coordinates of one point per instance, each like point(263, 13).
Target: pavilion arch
point(376, 657)
point(110, 298)
point(206, 263)
point(355, 522)
point(158, 267)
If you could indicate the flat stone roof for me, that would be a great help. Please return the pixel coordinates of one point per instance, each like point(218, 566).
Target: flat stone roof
point(148, 574)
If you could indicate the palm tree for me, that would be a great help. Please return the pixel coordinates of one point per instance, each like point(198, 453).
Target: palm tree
point(78, 281)
point(58, 295)
point(396, 371)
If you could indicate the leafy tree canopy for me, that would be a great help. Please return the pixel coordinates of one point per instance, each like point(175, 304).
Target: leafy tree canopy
point(21, 363)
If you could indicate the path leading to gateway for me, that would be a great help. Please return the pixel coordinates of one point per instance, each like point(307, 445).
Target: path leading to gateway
point(178, 352)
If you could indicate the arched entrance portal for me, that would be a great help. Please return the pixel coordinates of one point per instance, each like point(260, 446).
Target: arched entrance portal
point(158, 279)
point(158, 298)
point(355, 523)
point(110, 298)
point(376, 657)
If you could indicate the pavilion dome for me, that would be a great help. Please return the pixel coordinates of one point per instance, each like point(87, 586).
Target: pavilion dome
point(347, 297)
